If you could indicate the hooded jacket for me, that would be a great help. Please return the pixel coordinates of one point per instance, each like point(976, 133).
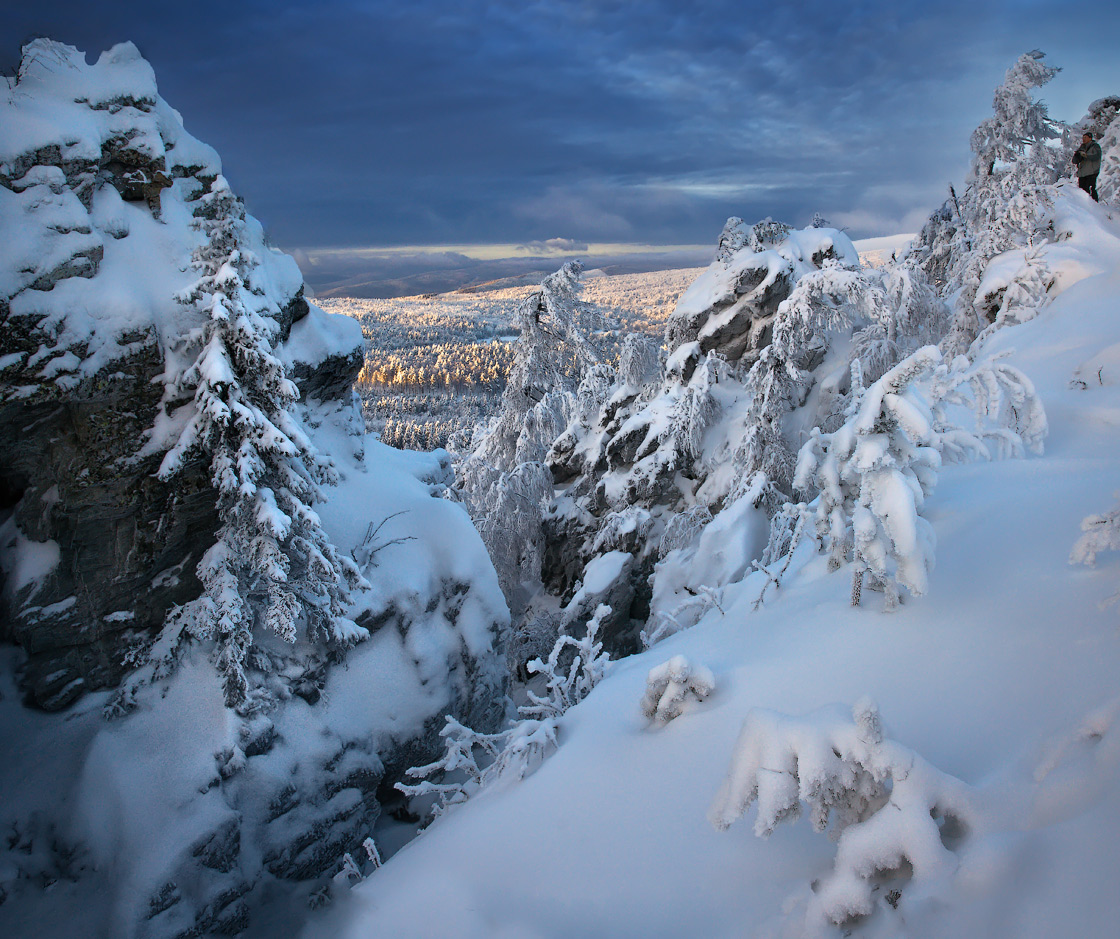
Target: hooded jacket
point(1088, 159)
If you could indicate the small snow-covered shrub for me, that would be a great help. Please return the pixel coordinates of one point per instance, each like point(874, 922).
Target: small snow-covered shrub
point(569, 684)
point(671, 684)
point(510, 753)
point(892, 813)
point(1101, 533)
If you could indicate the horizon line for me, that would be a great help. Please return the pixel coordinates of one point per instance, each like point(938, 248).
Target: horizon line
point(488, 251)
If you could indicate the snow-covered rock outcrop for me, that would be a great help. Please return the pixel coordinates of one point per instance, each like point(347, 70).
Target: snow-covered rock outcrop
point(649, 451)
point(97, 184)
point(123, 389)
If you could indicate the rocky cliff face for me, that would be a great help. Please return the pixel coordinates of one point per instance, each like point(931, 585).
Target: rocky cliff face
point(97, 182)
point(124, 544)
point(89, 157)
point(185, 818)
point(661, 443)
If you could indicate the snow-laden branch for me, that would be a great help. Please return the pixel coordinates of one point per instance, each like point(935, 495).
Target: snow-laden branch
point(891, 812)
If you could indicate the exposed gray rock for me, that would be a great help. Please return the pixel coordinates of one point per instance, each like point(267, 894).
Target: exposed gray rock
point(127, 543)
point(221, 849)
point(617, 633)
point(330, 378)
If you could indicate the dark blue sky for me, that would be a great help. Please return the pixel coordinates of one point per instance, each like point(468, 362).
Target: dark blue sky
point(451, 121)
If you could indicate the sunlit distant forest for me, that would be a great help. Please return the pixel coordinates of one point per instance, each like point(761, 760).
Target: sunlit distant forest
point(437, 364)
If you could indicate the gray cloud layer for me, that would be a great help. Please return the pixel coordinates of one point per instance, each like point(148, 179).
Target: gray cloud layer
point(451, 121)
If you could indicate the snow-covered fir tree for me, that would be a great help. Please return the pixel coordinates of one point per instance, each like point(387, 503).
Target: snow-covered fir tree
point(501, 479)
point(1020, 125)
point(1004, 204)
point(874, 474)
point(272, 565)
point(830, 299)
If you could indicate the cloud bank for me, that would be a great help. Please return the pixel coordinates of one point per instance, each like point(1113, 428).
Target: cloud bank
point(443, 122)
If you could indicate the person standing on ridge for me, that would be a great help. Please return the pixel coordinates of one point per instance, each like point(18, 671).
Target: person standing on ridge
point(1088, 161)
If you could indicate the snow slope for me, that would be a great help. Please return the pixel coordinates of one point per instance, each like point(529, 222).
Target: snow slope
point(1004, 676)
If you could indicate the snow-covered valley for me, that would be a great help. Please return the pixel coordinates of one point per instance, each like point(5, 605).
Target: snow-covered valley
point(764, 599)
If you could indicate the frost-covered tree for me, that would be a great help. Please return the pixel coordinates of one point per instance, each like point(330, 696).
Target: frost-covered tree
point(1004, 204)
point(638, 362)
point(683, 529)
point(272, 566)
point(503, 480)
point(904, 314)
point(874, 474)
point(831, 299)
point(732, 240)
point(509, 520)
point(875, 471)
point(553, 348)
point(1020, 126)
point(890, 810)
point(697, 408)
